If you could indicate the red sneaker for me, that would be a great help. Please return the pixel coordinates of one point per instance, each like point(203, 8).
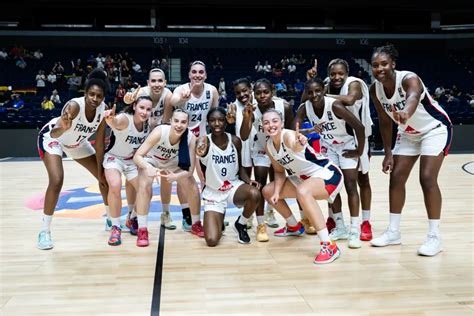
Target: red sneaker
point(197, 229)
point(290, 230)
point(142, 239)
point(115, 236)
point(365, 231)
point(330, 224)
point(328, 253)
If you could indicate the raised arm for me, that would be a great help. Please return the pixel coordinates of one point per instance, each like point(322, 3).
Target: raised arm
point(69, 113)
point(354, 94)
point(118, 122)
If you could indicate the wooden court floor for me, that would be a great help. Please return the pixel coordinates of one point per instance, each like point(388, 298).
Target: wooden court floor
point(82, 275)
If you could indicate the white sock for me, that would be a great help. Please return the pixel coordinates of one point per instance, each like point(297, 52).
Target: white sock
point(115, 221)
point(131, 208)
point(243, 220)
point(260, 219)
point(195, 218)
point(434, 226)
point(355, 222)
point(323, 235)
point(46, 225)
point(291, 221)
point(166, 208)
point(330, 213)
point(301, 214)
point(107, 211)
point(339, 219)
point(395, 221)
point(268, 207)
point(142, 221)
point(365, 215)
point(184, 205)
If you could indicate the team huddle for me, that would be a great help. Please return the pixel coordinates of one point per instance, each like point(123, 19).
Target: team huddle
point(168, 136)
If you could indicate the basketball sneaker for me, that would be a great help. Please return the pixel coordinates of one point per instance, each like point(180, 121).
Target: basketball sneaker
point(132, 224)
point(115, 238)
point(308, 228)
point(328, 253)
point(330, 224)
point(167, 221)
point(270, 219)
point(197, 229)
point(389, 237)
point(354, 238)
point(431, 246)
point(339, 233)
point(290, 230)
point(241, 230)
point(365, 231)
point(185, 225)
point(44, 240)
point(142, 237)
point(262, 235)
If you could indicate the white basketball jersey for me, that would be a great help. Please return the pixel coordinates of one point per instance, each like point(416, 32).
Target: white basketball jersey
point(81, 129)
point(334, 128)
point(239, 117)
point(260, 136)
point(428, 114)
point(166, 153)
point(304, 164)
point(361, 108)
point(198, 107)
point(124, 143)
point(222, 166)
point(158, 108)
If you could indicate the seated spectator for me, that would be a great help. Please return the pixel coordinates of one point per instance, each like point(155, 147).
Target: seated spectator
point(259, 68)
point(221, 86)
point(291, 69)
point(52, 78)
point(267, 68)
point(298, 86)
point(155, 63)
point(277, 71)
point(47, 104)
point(165, 66)
point(55, 97)
point(17, 103)
point(217, 65)
point(74, 83)
point(38, 55)
point(21, 63)
point(136, 67)
point(281, 88)
point(40, 81)
point(3, 54)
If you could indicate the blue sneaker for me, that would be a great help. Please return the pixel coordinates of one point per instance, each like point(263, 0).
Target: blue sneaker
point(186, 226)
point(132, 225)
point(44, 240)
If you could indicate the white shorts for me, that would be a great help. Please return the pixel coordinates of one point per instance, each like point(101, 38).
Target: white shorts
point(217, 201)
point(171, 165)
point(125, 166)
point(334, 153)
point(332, 177)
point(53, 147)
point(431, 143)
point(246, 154)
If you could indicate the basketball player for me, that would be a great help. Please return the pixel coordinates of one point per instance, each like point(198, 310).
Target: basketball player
point(171, 156)
point(161, 113)
point(129, 130)
point(80, 119)
point(226, 180)
point(252, 118)
point(354, 94)
point(424, 130)
point(334, 120)
point(313, 178)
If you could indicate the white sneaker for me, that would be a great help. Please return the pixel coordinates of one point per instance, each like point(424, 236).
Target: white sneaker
point(354, 238)
point(389, 237)
point(250, 222)
point(167, 221)
point(431, 247)
point(270, 219)
point(108, 224)
point(339, 233)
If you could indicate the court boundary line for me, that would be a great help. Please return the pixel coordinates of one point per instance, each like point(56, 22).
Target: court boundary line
point(156, 298)
point(464, 167)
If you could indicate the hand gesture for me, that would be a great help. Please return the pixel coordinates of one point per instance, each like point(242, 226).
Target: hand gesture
point(231, 110)
point(248, 110)
point(152, 172)
point(300, 137)
point(350, 153)
point(67, 118)
point(255, 184)
point(387, 164)
point(109, 115)
point(186, 93)
point(201, 145)
point(318, 128)
point(169, 176)
point(399, 116)
point(129, 98)
point(274, 198)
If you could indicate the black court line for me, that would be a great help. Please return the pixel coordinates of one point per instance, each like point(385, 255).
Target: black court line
point(156, 299)
point(465, 169)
